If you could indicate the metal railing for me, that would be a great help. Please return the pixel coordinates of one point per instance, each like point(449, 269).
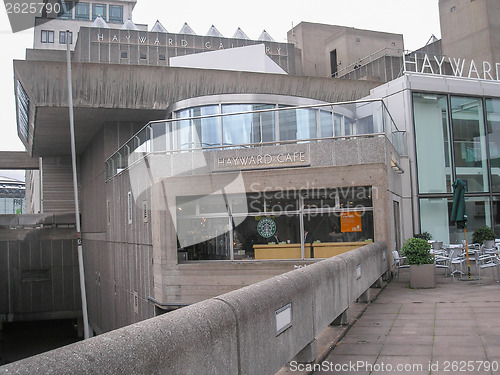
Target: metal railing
point(274, 126)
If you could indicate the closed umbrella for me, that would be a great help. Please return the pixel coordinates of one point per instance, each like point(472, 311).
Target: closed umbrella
point(459, 213)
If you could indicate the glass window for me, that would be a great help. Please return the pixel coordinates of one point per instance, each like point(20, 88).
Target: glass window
point(432, 142)
point(202, 238)
point(82, 11)
point(47, 36)
point(62, 37)
point(355, 197)
point(99, 10)
point(434, 218)
point(268, 237)
point(435, 213)
point(66, 11)
point(297, 124)
point(242, 128)
point(116, 13)
point(469, 143)
point(493, 129)
point(496, 216)
point(326, 127)
point(206, 131)
point(268, 225)
point(337, 125)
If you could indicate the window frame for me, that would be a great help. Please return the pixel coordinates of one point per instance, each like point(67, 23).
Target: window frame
point(81, 16)
point(105, 13)
point(47, 34)
point(111, 17)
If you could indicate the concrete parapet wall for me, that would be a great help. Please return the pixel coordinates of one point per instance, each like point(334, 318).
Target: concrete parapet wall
point(234, 333)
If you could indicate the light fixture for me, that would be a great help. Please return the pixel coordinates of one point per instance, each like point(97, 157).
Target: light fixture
point(395, 166)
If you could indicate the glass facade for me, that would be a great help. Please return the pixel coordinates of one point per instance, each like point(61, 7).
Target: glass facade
point(457, 137)
point(493, 130)
point(272, 225)
point(229, 126)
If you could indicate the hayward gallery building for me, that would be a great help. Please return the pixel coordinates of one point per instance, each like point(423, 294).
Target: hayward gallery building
point(194, 182)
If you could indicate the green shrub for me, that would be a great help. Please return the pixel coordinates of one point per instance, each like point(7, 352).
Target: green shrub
point(417, 251)
point(483, 234)
point(425, 236)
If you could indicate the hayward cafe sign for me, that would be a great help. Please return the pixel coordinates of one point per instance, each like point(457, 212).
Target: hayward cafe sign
point(457, 67)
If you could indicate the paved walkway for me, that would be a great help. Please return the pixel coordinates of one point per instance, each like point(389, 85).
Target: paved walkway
point(452, 329)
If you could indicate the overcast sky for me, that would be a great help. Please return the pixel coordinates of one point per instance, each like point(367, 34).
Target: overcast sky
point(416, 20)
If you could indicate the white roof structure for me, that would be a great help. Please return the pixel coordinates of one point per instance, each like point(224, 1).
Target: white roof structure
point(214, 32)
point(158, 28)
point(186, 29)
point(248, 58)
point(100, 23)
point(129, 25)
point(265, 37)
point(239, 34)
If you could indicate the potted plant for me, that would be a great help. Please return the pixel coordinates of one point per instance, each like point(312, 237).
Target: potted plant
point(485, 236)
point(422, 269)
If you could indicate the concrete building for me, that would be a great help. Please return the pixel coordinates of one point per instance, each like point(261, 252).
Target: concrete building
point(471, 29)
point(198, 181)
point(50, 30)
point(326, 50)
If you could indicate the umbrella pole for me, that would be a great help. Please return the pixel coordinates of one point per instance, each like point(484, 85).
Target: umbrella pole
point(467, 253)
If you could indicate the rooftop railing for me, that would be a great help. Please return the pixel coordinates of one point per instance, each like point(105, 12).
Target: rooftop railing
point(274, 125)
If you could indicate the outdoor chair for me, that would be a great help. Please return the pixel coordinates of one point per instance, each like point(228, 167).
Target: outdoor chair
point(443, 261)
point(399, 262)
point(488, 261)
point(456, 262)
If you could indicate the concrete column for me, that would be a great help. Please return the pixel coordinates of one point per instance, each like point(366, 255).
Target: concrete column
point(378, 284)
point(308, 354)
point(342, 319)
point(365, 297)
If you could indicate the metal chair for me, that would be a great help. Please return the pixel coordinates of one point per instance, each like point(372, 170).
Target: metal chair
point(456, 261)
point(488, 261)
point(398, 261)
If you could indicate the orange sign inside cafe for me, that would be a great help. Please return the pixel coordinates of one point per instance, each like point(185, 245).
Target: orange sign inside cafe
point(350, 222)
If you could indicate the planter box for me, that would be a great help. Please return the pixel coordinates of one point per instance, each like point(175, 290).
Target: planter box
point(423, 276)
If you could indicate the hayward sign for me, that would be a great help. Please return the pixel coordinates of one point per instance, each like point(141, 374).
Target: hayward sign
point(452, 66)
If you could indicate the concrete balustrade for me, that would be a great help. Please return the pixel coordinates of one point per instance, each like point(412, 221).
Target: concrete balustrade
point(235, 333)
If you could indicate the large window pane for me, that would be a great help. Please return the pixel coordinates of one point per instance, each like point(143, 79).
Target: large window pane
point(251, 242)
point(240, 129)
point(202, 238)
point(66, 10)
point(433, 145)
point(435, 213)
point(297, 124)
point(116, 13)
point(469, 143)
point(493, 128)
point(326, 124)
point(99, 10)
point(82, 11)
point(207, 129)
